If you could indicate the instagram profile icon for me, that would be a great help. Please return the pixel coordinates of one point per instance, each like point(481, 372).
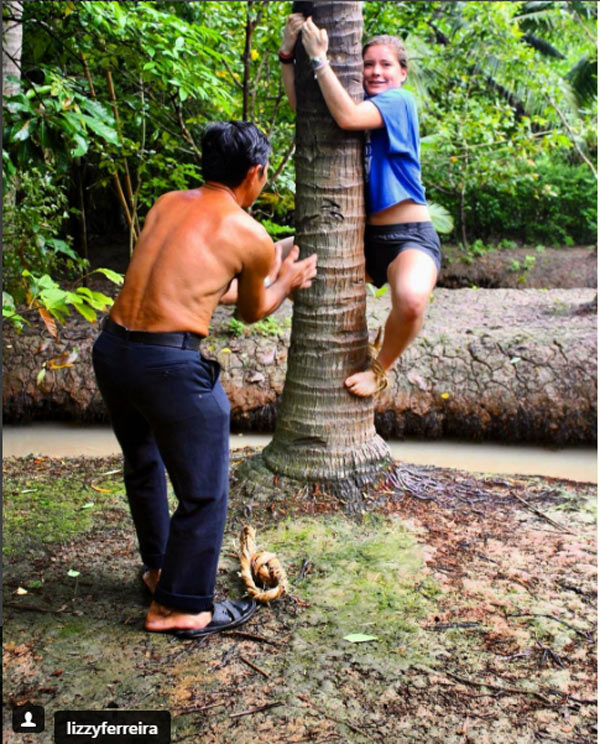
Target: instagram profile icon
point(28, 719)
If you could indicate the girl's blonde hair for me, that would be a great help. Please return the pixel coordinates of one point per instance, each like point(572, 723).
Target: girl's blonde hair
point(391, 41)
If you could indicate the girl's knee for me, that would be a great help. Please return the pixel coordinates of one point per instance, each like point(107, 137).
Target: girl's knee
point(411, 305)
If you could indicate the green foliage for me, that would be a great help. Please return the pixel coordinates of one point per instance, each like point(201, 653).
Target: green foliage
point(506, 95)
point(33, 216)
point(46, 293)
point(441, 218)
point(270, 326)
point(491, 104)
point(377, 292)
point(559, 207)
point(277, 231)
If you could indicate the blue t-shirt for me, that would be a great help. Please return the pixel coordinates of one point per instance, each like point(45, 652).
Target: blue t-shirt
point(392, 167)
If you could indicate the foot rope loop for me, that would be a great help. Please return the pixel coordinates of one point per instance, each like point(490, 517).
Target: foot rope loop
point(260, 567)
point(380, 375)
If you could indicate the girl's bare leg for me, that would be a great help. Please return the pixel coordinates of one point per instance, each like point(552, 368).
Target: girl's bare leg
point(412, 276)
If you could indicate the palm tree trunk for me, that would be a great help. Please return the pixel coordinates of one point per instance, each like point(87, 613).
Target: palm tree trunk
point(323, 432)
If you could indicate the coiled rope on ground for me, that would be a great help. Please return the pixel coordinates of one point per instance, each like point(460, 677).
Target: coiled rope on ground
point(262, 573)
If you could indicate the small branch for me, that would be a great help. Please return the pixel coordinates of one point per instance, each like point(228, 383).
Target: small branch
point(572, 136)
point(506, 690)
point(446, 626)
point(184, 130)
point(88, 77)
point(252, 637)
point(113, 99)
point(186, 711)
point(356, 729)
point(250, 712)
point(583, 634)
point(541, 514)
point(233, 75)
point(289, 152)
point(28, 608)
point(253, 666)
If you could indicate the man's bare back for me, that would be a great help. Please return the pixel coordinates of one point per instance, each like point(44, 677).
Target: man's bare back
point(192, 245)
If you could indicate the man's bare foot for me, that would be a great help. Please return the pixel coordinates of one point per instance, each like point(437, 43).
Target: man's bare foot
point(150, 578)
point(161, 619)
point(362, 384)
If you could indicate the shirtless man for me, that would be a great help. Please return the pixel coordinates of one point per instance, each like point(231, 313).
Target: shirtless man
point(167, 407)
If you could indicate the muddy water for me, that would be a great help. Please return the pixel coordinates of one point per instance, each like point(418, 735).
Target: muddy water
point(65, 440)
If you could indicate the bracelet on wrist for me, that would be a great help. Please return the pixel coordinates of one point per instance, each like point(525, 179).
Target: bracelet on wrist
point(286, 59)
point(318, 62)
point(322, 66)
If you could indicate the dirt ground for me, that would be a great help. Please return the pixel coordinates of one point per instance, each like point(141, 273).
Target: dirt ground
point(475, 597)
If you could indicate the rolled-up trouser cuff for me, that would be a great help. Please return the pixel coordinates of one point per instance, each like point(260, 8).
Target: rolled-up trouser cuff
point(153, 560)
point(183, 602)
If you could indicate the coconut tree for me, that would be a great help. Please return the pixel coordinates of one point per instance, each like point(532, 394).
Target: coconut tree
point(323, 433)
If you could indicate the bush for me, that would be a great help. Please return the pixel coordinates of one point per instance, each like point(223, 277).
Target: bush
point(34, 216)
point(558, 208)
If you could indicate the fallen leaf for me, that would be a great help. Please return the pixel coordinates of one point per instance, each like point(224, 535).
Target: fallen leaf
point(20, 590)
point(49, 322)
point(360, 638)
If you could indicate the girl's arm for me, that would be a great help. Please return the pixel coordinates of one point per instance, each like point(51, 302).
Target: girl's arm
point(347, 113)
point(290, 35)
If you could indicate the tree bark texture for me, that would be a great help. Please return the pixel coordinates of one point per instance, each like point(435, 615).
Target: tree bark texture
point(505, 365)
point(324, 433)
point(12, 32)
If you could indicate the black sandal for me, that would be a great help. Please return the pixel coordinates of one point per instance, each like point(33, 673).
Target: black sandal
point(226, 615)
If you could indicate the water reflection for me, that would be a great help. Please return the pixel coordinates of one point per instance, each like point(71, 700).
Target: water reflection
point(69, 440)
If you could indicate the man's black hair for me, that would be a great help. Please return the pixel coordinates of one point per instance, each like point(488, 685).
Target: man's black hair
point(230, 149)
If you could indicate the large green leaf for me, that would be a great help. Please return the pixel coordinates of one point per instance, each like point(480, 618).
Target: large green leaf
point(441, 218)
point(100, 128)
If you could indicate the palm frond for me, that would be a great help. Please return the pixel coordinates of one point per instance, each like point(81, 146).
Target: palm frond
point(541, 45)
point(422, 77)
point(583, 78)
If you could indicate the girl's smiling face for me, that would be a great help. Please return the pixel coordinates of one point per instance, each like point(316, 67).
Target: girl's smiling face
point(382, 69)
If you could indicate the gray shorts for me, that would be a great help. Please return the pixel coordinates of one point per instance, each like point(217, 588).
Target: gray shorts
point(384, 242)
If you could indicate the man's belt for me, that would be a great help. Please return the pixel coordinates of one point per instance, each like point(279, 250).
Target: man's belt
point(178, 339)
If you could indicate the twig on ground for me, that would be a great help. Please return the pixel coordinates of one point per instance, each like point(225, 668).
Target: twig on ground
point(541, 514)
point(186, 711)
point(253, 666)
point(446, 626)
point(352, 727)
point(505, 690)
point(252, 637)
point(250, 712)
point(547, 651)
point(30, 608)
point(225, 657)
point(303, 569)
point(583, 634)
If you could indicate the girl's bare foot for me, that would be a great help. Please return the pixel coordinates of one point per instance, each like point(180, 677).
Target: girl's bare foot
point(363, 384)
point(150, 578)
point(161, 619)
point(369, 382)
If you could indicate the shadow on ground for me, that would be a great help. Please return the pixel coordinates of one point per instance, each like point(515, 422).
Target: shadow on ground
point(473, 599)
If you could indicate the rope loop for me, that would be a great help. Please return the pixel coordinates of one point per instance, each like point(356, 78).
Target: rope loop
point(260, 567)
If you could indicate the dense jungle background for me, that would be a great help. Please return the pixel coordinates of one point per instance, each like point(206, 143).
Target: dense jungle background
point(104, 103)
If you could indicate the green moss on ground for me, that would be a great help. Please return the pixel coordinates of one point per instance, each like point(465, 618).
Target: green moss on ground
point(481, 613)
